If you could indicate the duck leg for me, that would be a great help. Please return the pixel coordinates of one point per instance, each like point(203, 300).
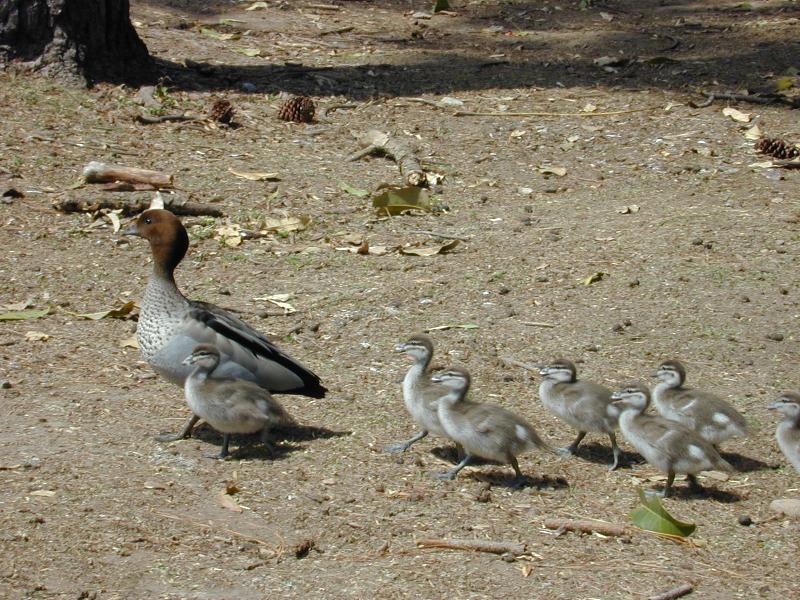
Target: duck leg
point(615, 449)
point(694, 485)
point(451, 474)
point(403, 446)
point(573, 447)
point(668, 486)
point(185, 431)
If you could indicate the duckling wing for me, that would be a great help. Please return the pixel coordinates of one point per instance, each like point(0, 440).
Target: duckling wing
point(247, 400)
point(245, 349)
point(587, 404)
point(680, 445)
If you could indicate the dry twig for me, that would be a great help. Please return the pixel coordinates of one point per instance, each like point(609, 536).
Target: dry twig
point(474, 546)
point(131, 207)
point(377, 141)
point(462, 113)
point(97, 172)
point(585, 526)
point(676, 592)
point(444, 236)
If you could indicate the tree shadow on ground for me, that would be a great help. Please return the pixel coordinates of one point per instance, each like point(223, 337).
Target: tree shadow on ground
point(678, 46)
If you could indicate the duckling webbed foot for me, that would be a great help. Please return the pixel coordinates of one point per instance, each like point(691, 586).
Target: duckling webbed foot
point(185, 432)
point(615, 449)
point(224, 452)
point(403, 446)
point(451, 474)
point(573, 447)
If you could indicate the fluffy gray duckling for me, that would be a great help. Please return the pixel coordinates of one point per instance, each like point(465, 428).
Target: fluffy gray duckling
point(788, 432)
point(483, 430)
point(420, 394)
point(710, 416)
point(668, 445)
point(584, 405)
point(229, 405)
point(171, 325)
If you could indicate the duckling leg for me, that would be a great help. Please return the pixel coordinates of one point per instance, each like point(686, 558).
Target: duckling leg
point(451, 474)
point(403, 446)
point(573, 447)
point(668, 486)
point(520, 480)
point(694, 485)
point(185, 431)
point(615, 449)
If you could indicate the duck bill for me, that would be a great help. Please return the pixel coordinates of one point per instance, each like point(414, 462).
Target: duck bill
point(188, 360)
point(400, 348)
point(131, 229)
point(544, 371)
point(774, 405)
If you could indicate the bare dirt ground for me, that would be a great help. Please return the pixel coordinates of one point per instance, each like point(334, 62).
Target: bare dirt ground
point(705, 271)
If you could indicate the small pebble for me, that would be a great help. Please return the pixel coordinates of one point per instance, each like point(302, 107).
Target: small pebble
point(708, 245)
point(507, 557)
point(633, 283)
point(745, 521)
point(503, 290)
point(775, 337)
point(627, 322)
point(592, 348)
point(542, 279)
point(786, 506)
point(618, 328)
point(697, 242)
point(745, 299)
point(5, 384)
point(784, 291)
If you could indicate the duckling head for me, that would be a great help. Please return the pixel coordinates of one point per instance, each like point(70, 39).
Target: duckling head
point(788, 404)
point(419, 347)
point(204, 356)
point(561, 370)
point(456, 378)
point(671, 372)
point(166, 234)
point(632, 397)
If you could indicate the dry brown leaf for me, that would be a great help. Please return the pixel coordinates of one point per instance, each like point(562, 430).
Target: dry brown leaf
point(753, 133)
point(736, 115)
point(227, 501)
point(430, 250)
point(256, 175)
point(129, 342)
point(559, 171)
point(36, 336)
point(287, 224)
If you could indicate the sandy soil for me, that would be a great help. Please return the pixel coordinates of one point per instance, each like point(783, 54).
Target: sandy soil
point(704, 269)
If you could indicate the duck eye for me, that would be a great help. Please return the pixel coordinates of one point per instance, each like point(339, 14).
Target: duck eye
point(148, 221)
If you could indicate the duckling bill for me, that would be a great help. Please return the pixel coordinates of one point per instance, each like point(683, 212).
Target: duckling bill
point(229, 405)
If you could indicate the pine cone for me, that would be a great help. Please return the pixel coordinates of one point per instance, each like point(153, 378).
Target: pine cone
point(222, 112)
point(299, 109)
point(777, 148)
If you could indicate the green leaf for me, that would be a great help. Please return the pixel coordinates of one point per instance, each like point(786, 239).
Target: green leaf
point(353, 191)
point(219, 36)
point(594, 278)
point(395, 201)
point(114, 313)
point(650, 515)
point(22, 315)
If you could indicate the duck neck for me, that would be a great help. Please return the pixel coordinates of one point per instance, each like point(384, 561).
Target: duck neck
point(417, 370)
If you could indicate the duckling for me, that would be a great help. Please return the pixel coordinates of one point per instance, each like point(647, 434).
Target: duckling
point(483, 430)
point(788, 432)
point(668, 445)
point(228, 404)
point(170, 325)
point(582, 404)
point(420, 394)
point(713, 418)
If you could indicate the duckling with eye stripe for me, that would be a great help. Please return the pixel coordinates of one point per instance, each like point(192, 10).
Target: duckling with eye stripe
point(710, 416)
point(788, 431)
point(668, 445)
point(483, 430)
point(583, 404)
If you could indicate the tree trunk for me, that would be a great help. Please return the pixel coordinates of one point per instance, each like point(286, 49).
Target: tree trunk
point(84, 40)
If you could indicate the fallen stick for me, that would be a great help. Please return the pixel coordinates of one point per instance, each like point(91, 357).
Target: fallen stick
point(377, 141)
point(508, 360)
point(585, 526)
point(97, 172)
point(474, 546)
point(444, 236)
point(463, 113)
point(676, 592)
point(538, 324)
point(151, 120)
point(133, 207)
point(787, 164)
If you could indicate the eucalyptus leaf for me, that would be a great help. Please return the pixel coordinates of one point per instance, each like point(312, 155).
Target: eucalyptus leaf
point(23, 315)
point(395, 201)
point(353, 191)
point(114, 313)
point(594, 278)
point(651, 515)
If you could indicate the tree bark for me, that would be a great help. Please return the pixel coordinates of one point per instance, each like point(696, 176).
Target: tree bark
point(77, 40)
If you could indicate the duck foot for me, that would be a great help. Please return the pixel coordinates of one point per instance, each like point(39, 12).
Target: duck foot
point(399, 447)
